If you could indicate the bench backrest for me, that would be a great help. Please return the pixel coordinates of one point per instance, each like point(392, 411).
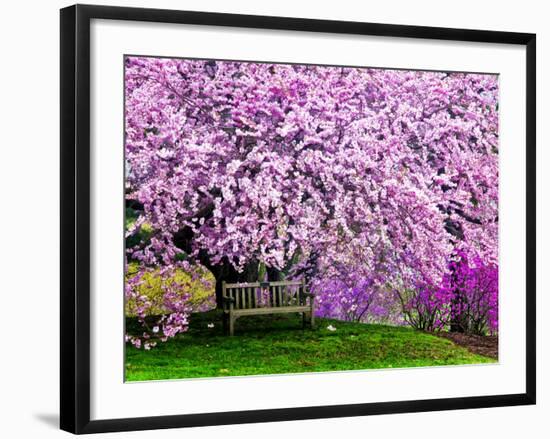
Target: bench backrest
point(265, 294)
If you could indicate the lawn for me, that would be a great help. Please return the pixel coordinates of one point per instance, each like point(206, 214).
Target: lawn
point(278, 344)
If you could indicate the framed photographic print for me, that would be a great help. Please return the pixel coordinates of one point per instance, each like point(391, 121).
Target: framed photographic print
point(268, 218)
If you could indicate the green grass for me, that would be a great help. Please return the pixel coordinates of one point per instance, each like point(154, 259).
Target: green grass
point(278, 344)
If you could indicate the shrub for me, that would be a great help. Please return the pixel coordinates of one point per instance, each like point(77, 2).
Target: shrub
point(199, 286)
point(426, 307)
point(474, 286)
point(163, 300)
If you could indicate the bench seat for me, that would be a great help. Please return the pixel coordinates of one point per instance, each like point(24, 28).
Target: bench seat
point(271, 310)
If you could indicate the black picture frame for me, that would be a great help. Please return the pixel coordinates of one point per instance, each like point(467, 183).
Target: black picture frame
point(75, 217)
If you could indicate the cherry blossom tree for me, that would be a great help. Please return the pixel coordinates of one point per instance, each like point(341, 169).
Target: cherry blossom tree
point(306, 169)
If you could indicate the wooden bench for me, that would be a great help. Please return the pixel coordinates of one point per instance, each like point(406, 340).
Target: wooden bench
point(258, 298)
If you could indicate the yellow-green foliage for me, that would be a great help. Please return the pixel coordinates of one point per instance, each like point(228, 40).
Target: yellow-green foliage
point(152, 289)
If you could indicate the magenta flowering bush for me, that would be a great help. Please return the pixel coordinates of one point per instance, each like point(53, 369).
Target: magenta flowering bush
point(473, 285)
point(308, 169)
point(466, 300)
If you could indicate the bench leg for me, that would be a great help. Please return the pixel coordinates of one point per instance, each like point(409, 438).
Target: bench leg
point(231, 324)
point(312, 316)
point(225, 323)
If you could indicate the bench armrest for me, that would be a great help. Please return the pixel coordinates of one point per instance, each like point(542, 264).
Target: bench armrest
point(228, 299)
point(308, 295)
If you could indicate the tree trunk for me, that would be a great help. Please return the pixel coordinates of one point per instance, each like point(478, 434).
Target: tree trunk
point(456, 315)
point(459, 323)
point(223, 271)
point(273, 275)
point(456, 322)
